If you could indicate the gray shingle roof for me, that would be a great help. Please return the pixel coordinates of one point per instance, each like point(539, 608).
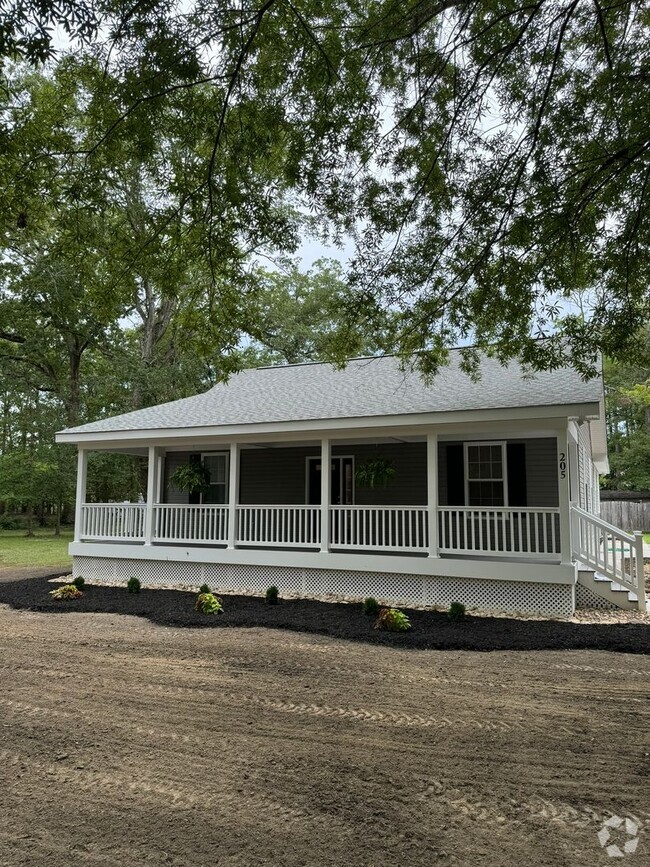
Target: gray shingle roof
point(366, 387)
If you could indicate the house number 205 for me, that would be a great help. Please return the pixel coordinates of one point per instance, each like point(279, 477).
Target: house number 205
point(562, 465)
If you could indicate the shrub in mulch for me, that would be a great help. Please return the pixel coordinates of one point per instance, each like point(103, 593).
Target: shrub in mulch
point(430, 629)
point(392, 620)
point(208, 603)
point(370, 606)
point(456, 611)
point(67, 591)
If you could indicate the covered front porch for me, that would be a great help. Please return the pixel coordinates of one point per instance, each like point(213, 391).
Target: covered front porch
point(475, 493)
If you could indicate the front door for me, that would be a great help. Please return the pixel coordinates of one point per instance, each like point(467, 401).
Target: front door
point(341, 483)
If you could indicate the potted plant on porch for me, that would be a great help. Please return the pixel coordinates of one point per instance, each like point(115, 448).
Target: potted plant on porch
point(194, 478)
point(375, 472)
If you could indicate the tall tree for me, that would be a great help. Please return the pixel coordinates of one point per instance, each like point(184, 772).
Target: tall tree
point(490, 158)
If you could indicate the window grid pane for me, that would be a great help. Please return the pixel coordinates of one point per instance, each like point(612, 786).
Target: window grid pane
point(485, 471)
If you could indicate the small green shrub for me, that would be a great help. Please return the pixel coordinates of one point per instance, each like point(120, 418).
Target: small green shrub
point(392, 620)
point(67, 591)
point(79, 582)
point(9, 523)
point(370, 606)
point(272, 595)
point(208, 603)
point(456, 611)
point(133, 584)
point(204, 589)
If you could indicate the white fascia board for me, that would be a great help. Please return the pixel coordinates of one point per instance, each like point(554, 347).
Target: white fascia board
point(251, 432)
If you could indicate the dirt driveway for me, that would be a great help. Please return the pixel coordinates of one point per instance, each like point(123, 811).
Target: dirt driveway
point(127, 743)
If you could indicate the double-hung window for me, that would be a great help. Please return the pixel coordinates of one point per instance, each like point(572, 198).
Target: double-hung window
point(485, 474)
point(217, 465)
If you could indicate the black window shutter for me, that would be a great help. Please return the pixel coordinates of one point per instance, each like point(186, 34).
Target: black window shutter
point(455, 475)
point(194, 498)
point(516, 457)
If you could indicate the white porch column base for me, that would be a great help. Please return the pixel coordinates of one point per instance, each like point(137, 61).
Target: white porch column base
point(432, 492)
point(233, 494)
point(82, 475)
point(325, 494)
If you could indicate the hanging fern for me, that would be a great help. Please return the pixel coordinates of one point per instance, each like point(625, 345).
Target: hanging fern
point(375, 472)
point(193, 478)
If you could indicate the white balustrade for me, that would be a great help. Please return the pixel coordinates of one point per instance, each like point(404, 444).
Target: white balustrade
point(123, 522)
point(611, 552)
point(181, 523)
point(279, 526)
point(395, 528)
point(499, 531)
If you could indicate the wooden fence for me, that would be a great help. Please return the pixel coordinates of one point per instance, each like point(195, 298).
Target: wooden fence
point(629, 515)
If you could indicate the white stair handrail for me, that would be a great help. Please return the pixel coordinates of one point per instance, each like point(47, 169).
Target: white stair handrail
point(590, 543)
point(598, 522)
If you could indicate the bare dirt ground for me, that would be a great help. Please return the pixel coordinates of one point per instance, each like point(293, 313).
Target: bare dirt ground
point(127, 743)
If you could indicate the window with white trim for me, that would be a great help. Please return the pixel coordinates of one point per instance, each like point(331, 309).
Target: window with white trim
point(485, 474)
point(217, 465)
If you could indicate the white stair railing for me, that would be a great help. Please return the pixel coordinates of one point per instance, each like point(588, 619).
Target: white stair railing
point(610, 551)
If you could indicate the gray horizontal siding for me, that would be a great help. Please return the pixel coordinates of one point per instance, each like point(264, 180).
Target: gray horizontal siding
point(408, 487)
point(274, 477)
point(541, 472)
point(277, 476)
point(173, 460)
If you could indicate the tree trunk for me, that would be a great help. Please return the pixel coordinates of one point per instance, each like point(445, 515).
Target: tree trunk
point(30, 521)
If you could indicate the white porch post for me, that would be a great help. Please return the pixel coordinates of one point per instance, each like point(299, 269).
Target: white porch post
point(325, 494)
point(82, 474)
point(153, 487)
point(432, 492)
point(566, 548)
point(233, 494)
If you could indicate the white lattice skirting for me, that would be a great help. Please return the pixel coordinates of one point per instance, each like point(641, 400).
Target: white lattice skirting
point(511, 596)
point(585, 598)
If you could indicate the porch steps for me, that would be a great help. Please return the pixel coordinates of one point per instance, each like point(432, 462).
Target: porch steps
point(607, 589)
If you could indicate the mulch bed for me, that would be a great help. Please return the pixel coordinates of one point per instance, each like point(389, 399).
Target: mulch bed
point(430, 629)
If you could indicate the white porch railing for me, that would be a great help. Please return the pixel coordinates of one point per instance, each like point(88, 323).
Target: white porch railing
point(398, 528)
point(612, 552)
point(204, 523)
point(505, 532)
point(123, 522)
point(279, 526)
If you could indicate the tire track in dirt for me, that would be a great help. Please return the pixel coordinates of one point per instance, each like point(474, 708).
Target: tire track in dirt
point(177, 797)
point(26, 843)
point(399, 719)
point(362, 715)
point(565, 666)
point(559, 813)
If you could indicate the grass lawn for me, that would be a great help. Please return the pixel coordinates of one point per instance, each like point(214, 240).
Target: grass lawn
point(646, 538)
point(43, 549)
